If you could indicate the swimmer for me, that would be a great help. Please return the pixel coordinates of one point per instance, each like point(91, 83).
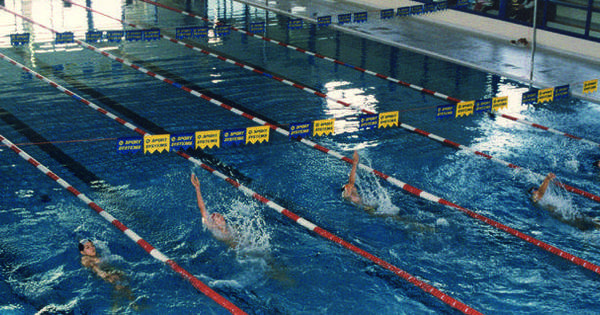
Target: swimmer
point(215, 222)
point(90, 259)
point(577, 219)
point(349, 190)
point(538, 194)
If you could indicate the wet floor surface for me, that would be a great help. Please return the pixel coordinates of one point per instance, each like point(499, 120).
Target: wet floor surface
point(489, 54)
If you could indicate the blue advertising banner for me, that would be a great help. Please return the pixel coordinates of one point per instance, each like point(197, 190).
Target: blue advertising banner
point(462, 3)
point(404, 11)
point(182, 141)
point(430, 7)
point(561, 92)
point(130, 144)
point(222, 30)
point(258, 27)
point(530, 97)
point(483, 106)
point(345, 18)
point(234, 136)
point(19, 39)
point(416, 9)
point(114, 36)
point(300, 129)
point(200, 31)
point(360, 17)
point(324, 20)
point(183, 33)
point(445, 111)
point(387, 14)
point(134, 35)
point(367, 122)
point(295, 24)
point(65, 38)
point(93, 36)
point(152, 34)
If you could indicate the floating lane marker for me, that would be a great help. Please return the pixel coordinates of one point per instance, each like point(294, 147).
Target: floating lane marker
point(309, 90)
point(222, 58)
point(131, 234)
point(497, 160)
point(333, 238)
point(396, 182)
point(299, 220)
point(382, 76)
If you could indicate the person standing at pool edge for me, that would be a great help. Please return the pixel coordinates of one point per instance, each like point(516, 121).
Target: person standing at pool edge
point(215, 222)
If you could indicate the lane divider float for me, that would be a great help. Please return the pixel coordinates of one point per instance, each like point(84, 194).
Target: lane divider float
point(287, 213)
point(323, 95)
point(379, 75)
point(316, 146)
point(199, 285)
point(411, 189)
point(222, 58)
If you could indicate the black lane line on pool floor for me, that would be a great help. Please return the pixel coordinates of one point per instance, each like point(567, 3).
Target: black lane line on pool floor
point(136, 118)
point(66, 161)
point(372, 37)
point(418, 283)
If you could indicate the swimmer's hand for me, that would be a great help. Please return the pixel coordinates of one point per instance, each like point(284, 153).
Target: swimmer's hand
point(195, 181)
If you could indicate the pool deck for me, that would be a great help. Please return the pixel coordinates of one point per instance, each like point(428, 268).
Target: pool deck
point(475, 49)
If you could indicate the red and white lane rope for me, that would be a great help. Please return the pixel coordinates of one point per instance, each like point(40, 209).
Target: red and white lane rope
point(75, 96)
point(329, 236)
point(394, 181)
point(128, 232)
point(385, 77)
point(222, 58)
point(406, 84)
point(552, 130)
point(297, 219)
point(304, 88)
point(497, 160)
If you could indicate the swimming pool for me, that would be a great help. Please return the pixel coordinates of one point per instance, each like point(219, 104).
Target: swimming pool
point(282, 268)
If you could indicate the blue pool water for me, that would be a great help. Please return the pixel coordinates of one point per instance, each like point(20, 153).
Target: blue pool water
point(281, 267)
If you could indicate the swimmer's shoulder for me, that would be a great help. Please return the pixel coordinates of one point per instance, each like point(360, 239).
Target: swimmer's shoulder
point(88, 261)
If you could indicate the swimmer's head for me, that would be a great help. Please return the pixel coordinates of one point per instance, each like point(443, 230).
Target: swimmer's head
point(81, 244)
point(86, 247)
point(217, 218)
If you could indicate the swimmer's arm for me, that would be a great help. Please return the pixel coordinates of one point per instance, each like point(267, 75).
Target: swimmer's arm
point(201, 205)
point(539, 194)
point(352, 178)
point(87, 262)
point(101, 273)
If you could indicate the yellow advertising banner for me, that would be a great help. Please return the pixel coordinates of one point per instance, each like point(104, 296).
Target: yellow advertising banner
point(323, 127)
point(257, 134)
point(388, 119)
point(465, 108)
point(499, 103)
point(546, 95)
point(157, 143)
point(208, 139)
point(590, 86)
